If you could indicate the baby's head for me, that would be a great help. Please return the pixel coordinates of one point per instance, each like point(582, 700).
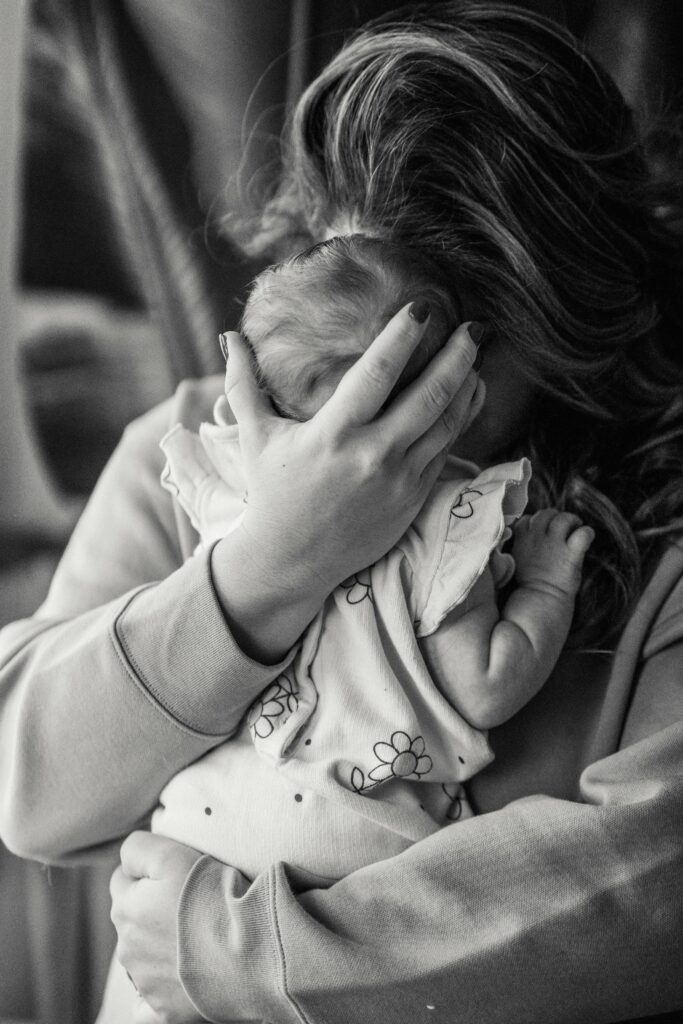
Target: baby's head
point(310, 318)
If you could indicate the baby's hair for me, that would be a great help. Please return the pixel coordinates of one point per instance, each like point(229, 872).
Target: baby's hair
point(308, 319)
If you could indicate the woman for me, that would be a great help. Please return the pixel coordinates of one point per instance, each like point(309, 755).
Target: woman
point(484, 136)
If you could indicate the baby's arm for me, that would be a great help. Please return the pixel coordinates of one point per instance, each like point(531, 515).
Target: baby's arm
point(490, 664)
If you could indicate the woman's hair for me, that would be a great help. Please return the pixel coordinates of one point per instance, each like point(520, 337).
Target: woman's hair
point(309, 318)
point(483, 135)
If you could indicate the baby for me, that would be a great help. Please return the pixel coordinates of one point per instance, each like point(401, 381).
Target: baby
point(361, 747)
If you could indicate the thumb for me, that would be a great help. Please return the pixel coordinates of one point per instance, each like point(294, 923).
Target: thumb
point(248, 403)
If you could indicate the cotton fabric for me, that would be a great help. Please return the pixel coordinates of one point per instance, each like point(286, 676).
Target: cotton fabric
point(353, 753)
point(559, 903)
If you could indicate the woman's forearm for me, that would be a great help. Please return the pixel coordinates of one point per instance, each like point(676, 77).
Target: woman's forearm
point(82, 747)
point(267, 605)
point(99, 711)
point(119, 680)
point(544, 905)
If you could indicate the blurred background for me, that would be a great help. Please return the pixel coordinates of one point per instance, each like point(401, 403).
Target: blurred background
point(124, 126)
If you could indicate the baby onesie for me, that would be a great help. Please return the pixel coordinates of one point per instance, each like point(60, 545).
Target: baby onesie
point(353, 753)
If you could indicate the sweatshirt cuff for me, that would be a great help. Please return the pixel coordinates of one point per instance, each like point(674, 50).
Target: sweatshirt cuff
point(177, 645)
point(230, 961)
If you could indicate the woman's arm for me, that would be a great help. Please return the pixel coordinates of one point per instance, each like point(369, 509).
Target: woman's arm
point(550, 908)
point(130, 670)
point(106, 692)
point(544, 910)
point(325, 496)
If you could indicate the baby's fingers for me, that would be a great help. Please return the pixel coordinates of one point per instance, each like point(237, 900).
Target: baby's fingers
point(580, 540)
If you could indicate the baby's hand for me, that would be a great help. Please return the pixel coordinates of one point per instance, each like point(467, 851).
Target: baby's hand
point(549, 548)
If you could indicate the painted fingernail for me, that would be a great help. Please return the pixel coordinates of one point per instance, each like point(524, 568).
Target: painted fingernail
point(223, 342)
point(419, 310)
point(476, 331)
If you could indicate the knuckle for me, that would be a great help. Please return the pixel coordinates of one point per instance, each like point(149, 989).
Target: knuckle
point(232, 381)
point(376, 454)
point(379, 371)
point(561, 520)
point(370, 462)
point(412, 482)
point(330, 443)
point(436, 395)
point(389, 450)
point(450, 420)
point(543, 515)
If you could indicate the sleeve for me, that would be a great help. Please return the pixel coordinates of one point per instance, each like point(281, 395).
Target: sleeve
point(543, 911)
point(204, 473)
point(105, 693)
point(458, 537)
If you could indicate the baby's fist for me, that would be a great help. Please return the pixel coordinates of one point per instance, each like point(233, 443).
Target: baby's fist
point(549, 548)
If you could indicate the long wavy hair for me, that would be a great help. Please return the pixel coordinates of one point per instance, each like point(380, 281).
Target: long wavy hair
point(484, 135)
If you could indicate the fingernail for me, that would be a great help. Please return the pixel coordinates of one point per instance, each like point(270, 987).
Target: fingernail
point(476, 331)
point(419, 310)
point(223, 342)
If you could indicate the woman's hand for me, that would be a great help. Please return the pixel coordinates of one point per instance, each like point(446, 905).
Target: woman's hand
point(145, 890)
point(330, 496)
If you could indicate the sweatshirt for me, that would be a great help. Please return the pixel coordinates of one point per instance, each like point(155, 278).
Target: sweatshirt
point(561, 901)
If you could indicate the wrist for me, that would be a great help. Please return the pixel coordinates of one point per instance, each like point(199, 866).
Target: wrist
point(267, 601)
